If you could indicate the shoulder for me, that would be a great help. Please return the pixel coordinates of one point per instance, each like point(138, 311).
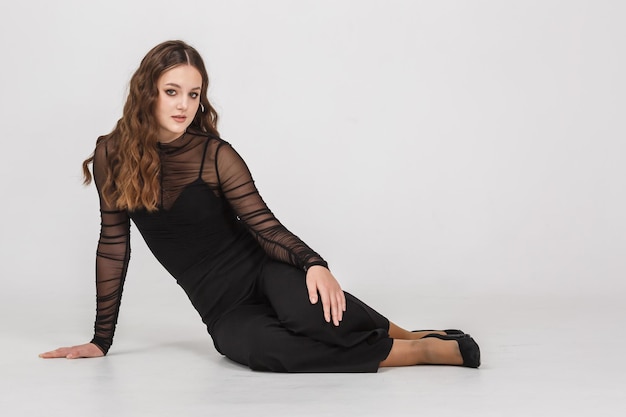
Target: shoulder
point(104, 144)
point(199, 135)
point(213, 142)
point(225, 151)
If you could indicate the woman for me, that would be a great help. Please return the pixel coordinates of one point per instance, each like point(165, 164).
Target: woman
point(267, 299)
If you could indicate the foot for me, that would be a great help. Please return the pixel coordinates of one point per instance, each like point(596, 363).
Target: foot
point(441, 352)
point(467, 346)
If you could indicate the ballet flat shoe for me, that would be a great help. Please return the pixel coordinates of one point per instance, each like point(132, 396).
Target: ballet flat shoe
point(448, 331)
point(467, 345)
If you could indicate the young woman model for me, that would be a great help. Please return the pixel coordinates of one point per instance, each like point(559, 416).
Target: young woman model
point(267, 299)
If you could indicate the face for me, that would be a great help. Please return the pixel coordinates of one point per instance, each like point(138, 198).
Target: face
point(178, 101)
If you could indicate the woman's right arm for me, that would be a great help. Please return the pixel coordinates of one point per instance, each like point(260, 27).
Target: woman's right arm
point(112, 258)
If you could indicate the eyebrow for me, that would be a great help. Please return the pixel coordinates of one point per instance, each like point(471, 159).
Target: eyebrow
point(178, 86)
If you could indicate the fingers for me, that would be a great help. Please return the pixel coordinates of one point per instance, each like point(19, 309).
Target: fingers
point(312, 287)
point(341, 303)
point(340, 306)
point(326, 305)
point(334, 304)
point(88, 350)
point(61, 352)
point(76, 353)
point(322, 285)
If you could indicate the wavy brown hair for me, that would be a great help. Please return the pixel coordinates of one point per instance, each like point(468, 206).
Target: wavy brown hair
point(133, 167)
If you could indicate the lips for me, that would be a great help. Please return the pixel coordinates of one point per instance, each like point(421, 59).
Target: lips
point(179, 119)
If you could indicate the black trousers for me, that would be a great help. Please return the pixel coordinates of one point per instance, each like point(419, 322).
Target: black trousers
point(279, 330)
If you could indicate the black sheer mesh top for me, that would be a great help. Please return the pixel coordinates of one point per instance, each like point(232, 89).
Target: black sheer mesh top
point(211, 217)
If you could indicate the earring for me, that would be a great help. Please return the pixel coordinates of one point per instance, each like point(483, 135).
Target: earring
point(202, 107)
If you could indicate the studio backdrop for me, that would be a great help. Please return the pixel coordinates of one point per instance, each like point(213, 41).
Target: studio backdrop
point(458, 147)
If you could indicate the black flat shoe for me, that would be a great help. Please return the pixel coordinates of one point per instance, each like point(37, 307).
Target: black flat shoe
point(467, 345)
point(448, 331)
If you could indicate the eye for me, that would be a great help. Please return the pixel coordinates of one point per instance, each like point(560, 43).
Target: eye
point(194, 95)
point(170, 92)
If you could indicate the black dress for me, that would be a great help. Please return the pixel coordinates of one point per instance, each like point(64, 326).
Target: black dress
point(243, 271)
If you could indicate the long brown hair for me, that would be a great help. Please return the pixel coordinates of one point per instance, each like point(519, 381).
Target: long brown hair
point(133, 167)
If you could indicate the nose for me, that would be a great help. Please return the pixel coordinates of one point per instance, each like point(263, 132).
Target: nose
point(183, 103)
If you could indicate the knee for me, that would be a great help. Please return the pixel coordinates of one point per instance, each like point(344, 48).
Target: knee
point(266, 353)
point(256, 345)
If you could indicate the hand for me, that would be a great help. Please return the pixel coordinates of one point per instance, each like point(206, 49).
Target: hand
point(320, 281)
point(88, 350)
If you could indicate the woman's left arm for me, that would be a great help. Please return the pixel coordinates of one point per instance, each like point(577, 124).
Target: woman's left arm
point(279, 243)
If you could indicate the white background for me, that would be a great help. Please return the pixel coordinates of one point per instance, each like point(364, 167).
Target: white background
point(465, 147)
point(458, 163)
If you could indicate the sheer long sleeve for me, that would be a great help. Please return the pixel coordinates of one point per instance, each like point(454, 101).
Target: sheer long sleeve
point(112, 256)
point(238, 188)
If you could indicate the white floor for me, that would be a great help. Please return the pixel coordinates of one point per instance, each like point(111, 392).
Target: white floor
point(542, 356)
